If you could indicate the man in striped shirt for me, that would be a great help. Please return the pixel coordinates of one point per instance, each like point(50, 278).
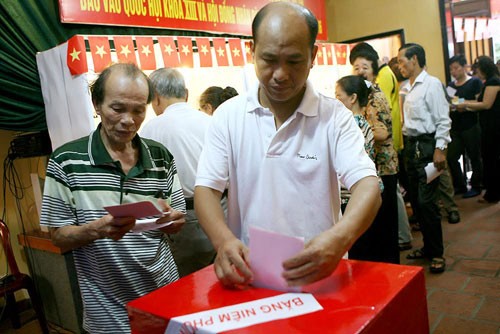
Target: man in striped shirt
point(111, 166)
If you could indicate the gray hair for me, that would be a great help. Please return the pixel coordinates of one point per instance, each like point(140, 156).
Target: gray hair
point(169, 83)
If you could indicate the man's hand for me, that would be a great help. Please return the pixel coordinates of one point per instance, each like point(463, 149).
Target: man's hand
point(318, 260)
point(177, 217)
point(439, 159)
point(115, 228)
point(231, 264)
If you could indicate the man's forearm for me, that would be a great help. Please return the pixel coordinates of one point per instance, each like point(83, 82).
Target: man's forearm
point(211, 215)
point(72, 237)
point(361, 210)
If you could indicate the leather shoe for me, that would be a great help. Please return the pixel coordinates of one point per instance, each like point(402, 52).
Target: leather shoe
point(472, 193)
point(454, 217)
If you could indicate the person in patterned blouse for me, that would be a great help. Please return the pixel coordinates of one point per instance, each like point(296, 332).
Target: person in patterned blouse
point(383, 234)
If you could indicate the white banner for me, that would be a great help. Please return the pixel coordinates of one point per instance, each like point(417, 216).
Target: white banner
point(68, 107)
point(245, 314)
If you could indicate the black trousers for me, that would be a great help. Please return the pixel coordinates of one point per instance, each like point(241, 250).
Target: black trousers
point(419, 151)
point(490, 150)
point(380, 242)
point(467, 141)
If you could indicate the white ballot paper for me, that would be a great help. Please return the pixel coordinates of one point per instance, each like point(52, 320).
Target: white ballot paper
point(242, 315)
point(431, 172)
point(451, 91)
point(139, 210)
point(268, 250)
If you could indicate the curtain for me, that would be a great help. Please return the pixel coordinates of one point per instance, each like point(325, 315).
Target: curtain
point(31, 26)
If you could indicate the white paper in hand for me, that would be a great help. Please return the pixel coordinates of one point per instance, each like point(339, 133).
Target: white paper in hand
point(268, 251)
point(139, 210)
point(431, 172)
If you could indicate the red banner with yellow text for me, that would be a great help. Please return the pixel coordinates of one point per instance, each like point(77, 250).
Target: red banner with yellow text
point(218, 16)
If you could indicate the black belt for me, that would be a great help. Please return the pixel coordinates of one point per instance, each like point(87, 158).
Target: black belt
point(424, 137)
point(190, 201)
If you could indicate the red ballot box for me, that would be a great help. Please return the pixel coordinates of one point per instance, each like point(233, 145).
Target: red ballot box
point(359, 297)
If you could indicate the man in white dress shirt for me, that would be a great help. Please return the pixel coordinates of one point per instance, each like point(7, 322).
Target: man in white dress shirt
point(284, 148)
point(427, 130)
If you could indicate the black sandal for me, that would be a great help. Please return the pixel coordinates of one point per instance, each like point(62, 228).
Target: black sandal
point(416, 254)
point(438, 265)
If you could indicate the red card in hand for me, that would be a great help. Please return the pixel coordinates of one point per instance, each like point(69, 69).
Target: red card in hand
point(136, 210)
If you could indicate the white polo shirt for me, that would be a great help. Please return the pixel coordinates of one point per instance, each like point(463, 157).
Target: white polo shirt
point(181, 128)
point(284, 180)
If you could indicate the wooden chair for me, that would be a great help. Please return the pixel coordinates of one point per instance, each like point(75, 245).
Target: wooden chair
point(17, 281)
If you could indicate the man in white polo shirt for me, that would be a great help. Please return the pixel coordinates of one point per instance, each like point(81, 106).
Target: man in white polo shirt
point(181, 128)
point(283, 148)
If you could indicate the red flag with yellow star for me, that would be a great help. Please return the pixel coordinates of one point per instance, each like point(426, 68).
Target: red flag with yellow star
point(328, 54)
point(341, 53)
point(204, 51)
point(221, 51)
point(320, 55)
point(101, 52)
point(125, 51)
point(185, 51)
point(76, 58)
point(236, 51)
point(146, 52)
point(169, 51)
point(248, 51)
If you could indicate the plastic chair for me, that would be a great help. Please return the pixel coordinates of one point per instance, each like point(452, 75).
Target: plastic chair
point(17, 281)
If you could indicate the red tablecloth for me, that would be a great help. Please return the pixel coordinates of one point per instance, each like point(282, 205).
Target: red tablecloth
point(359, 297)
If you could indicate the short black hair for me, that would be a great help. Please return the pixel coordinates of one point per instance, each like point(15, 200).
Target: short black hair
point(362, 47)
point(370, 56)
point(460, 59)
point(97, 89)
point(353, 84)
point(311, 20)
point(412, 49)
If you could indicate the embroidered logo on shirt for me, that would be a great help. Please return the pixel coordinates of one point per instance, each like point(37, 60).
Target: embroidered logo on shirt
point(307, 156)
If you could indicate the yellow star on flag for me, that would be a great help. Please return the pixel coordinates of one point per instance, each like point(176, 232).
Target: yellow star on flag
point(204, 50)
point(220, 52)
point(185, 49)
point(236, 52)
point(100, 51)
point(75, 55)
point(247, 49)
point(320, 54)
point(145, 50)
point(168, 49)
point(125, 51)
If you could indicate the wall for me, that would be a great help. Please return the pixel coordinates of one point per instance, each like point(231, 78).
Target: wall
point(351, 19)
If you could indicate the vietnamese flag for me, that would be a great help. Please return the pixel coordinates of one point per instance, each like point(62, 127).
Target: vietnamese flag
point(221, 51)
point(320, 55)
point(204, 52)
point(101, 52)
point(169, 51)
point(185, 51)
point(248, 51)
point(76, 57)
point(341, 53)
point(146, 52)
point(125, 51)
point(236, 51)
point(328, 54)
